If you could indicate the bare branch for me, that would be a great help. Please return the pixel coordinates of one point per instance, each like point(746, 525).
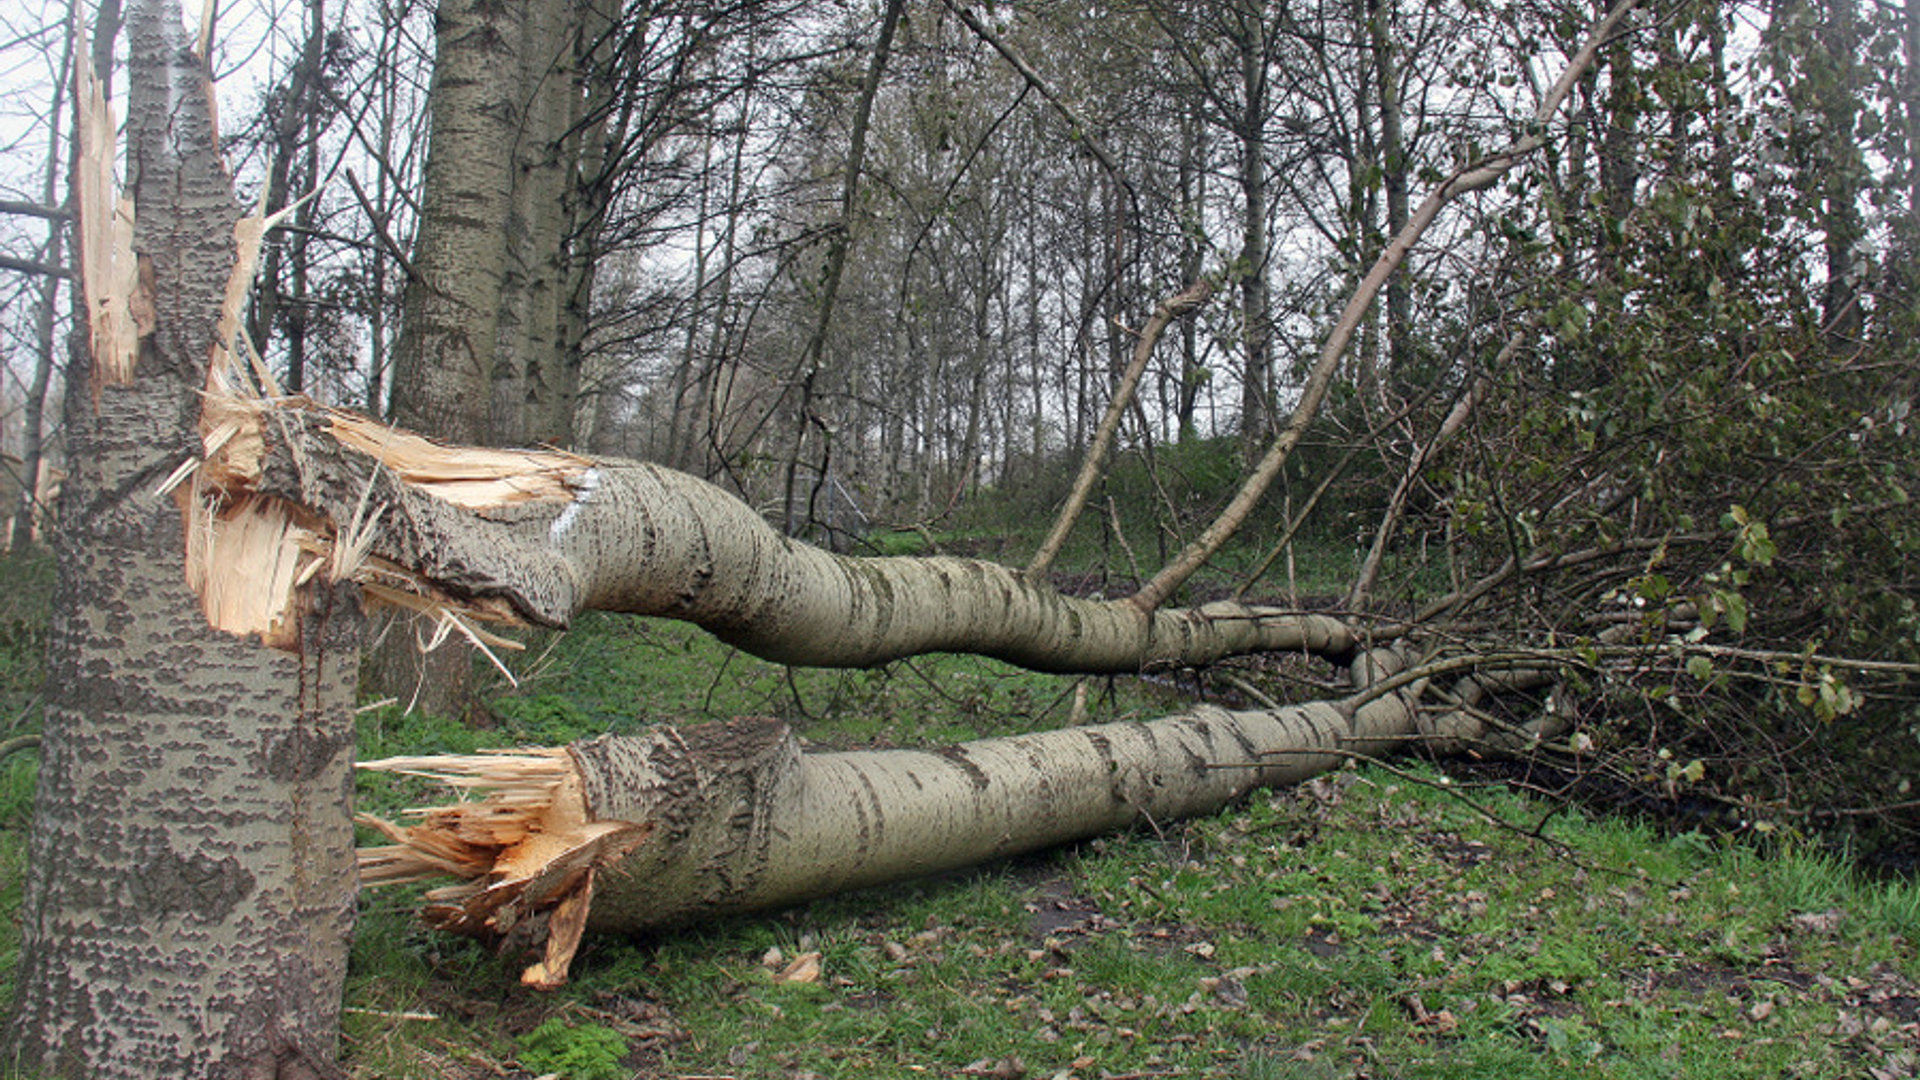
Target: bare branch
point(1091, 465)
point(1471, 178)
point(19, 208)
point(34, 266)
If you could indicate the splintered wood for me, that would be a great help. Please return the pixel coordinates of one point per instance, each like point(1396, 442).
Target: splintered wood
point(108, 271)
point(249, 544)
point(278, 551)
point(526, 848)
point(249, 554)
point(472, 477)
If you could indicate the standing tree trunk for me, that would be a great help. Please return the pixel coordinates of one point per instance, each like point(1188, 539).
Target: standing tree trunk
point(443, 364)
point(479, 358)
point(1256, 396)
point(444, 358)
point(190, 885)
point(1393, 166)
point(1841, 170)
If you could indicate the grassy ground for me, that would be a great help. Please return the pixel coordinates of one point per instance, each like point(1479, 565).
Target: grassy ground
point(1370, 924)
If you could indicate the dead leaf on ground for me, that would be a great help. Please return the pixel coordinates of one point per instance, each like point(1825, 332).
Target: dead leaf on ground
point(804, 969)
point(1819, 922)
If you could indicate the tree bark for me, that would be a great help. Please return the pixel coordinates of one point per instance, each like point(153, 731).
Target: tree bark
point(446, 369)
point(1394, 171)
point(444, 358)
point(166, 933)
point(1256, 392)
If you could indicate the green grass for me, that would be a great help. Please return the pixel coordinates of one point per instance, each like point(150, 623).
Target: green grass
point(26, 590)
point(16, 810)
point(1365, 925)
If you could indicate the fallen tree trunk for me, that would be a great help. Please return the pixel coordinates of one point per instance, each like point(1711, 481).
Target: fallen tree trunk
point(674, 825)
point(540, 536)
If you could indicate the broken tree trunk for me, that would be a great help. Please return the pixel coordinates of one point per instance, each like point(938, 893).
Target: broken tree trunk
point(189, 889)
point(679, 824)
point(473, 535)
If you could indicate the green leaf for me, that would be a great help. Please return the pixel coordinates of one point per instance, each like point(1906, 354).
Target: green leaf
point(1734, 606)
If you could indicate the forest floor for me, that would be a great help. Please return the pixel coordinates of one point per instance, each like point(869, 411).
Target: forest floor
point(1383, 921)
point(1367, 924)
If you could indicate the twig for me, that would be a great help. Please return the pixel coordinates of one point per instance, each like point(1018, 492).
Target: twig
point(1447, 787)
point(17, 744)
point(1248, 689)
point(390, 1015)
point(379, 221)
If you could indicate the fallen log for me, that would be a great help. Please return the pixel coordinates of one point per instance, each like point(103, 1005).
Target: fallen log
point(677, 824)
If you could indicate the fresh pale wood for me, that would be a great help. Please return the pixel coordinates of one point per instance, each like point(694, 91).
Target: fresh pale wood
point(108, 271)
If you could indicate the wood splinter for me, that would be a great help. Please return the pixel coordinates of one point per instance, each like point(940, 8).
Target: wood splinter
point(526, 851)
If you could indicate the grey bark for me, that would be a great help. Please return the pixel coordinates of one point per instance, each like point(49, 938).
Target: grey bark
point(1256, 400)
point(642, 539)
point(1394, 168)
point(443, 360)
point(190, 885)
point(444, 369)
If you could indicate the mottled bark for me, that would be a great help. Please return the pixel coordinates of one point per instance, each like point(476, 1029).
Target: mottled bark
point(190, 875)
point(444, 357)
point(190, 881)
point(819, 824)
point(528, 389)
